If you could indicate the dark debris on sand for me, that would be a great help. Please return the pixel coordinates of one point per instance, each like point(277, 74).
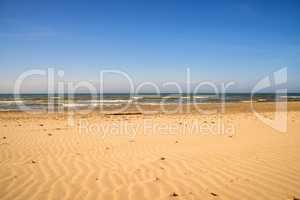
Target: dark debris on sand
point(214, 194)
point(174, 194)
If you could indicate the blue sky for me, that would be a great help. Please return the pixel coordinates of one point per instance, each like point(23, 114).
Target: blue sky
point(151, 40)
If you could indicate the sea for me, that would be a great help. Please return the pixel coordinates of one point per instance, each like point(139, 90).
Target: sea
point(11, 102)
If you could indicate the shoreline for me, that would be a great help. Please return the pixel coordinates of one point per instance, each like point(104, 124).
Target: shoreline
point(174, 109)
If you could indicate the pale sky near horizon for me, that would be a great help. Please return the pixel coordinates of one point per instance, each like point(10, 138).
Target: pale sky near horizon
point(219, 41)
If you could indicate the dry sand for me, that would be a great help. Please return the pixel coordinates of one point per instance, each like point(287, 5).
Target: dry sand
point(116, 157)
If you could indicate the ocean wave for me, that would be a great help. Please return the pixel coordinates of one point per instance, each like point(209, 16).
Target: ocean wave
point(83, 105)
point(55, 97)
point(108, 101)
point(168, 103)
point(290, 97)
point(74, 105)
point(11, 102)
point(262, 100)
point(137, 97)
point(204, 96)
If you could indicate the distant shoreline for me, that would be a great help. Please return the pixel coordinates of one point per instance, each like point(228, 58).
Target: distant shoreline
point(204, 108)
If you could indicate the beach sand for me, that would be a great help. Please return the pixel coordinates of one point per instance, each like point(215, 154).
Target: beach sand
point(150, 156)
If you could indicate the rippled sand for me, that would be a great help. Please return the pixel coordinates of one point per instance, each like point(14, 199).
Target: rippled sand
point(178, 156)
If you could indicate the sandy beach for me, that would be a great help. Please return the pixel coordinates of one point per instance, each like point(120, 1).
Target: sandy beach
point(149, 156)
